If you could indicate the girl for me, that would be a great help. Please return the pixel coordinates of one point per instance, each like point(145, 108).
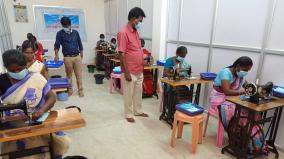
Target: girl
point(28, 48)
point(38, 47)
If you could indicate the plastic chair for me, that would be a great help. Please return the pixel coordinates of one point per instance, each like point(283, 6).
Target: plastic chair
point(112, 82)
point(197, 128)
point(220, 129)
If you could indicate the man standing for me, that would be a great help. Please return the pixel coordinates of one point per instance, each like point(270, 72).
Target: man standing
point(131, 58)
point(72, 47)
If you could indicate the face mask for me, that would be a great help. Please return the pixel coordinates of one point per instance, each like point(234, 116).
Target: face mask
point(180, 59)
point(138, 25)
point(19, 75)
point(102, 39)
point(113, 45)
point(242, 74)
point(66, 30)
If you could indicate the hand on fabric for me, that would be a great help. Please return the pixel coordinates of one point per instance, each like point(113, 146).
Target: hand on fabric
point(37, 114)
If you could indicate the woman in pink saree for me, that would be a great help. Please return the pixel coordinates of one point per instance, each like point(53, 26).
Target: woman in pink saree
point(229, 82)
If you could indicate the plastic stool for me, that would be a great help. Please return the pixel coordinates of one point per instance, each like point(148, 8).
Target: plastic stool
point(112, 82)
point(197, 128)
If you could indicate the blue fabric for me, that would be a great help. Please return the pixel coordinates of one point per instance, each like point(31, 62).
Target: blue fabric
point(71, 42)
point(169, 63)
point(60, 133)
point(224, 74)
point(244, 97)
point(224, 117)
point(43, 117)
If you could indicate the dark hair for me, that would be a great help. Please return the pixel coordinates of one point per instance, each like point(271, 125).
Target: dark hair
point(102, 35)
point(29, 44)
point(113, 39)
point(242, 61)
point(181, 49)
point(30, 36)
point(142, 41)
point(65, 21)
point(13, 57)
point(136, 12)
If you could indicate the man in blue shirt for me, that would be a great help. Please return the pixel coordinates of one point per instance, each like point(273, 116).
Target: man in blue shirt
point(72, 50)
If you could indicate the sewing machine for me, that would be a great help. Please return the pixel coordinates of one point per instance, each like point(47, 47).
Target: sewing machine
point(259, 94)
point(25, 119)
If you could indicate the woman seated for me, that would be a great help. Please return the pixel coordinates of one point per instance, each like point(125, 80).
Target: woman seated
point(112, 47)
point(13, 87)
point(29, 49)
point(178, 62)
point(39, 51)
point(148, 58)
point(229, 82)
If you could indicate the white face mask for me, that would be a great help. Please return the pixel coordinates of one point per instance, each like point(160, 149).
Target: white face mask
point(19, 75)
point(242, 74)
point(138, 25)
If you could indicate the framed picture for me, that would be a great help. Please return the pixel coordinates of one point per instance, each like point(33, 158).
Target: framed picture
point(47, 21)
point(21, 14)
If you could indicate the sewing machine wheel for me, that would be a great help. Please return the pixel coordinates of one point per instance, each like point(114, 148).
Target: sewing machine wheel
point(251, 89)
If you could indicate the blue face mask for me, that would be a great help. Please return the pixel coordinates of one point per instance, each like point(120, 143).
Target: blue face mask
point(180, 59)
point(242, 74)
point(20, 75)
point(66, 30)
point(138, 25)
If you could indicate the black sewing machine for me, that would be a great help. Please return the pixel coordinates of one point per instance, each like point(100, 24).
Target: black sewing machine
point(178, 76)
point(20, 121)
point(259, 94)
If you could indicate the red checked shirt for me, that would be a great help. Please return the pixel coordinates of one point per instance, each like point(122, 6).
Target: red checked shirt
point(129, 43)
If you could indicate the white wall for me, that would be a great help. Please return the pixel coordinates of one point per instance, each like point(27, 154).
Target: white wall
point(116, 13)
point(159, 29)
point(95, 22)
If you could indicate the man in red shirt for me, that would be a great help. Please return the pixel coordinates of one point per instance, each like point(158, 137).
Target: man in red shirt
point(132, 64)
